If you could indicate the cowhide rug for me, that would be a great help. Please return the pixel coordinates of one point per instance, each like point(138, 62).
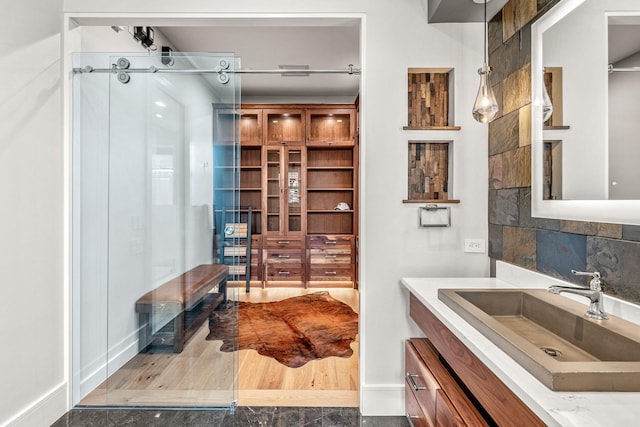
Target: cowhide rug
point(293, 331)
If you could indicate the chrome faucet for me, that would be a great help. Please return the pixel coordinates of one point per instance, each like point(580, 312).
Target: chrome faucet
point(594, 293)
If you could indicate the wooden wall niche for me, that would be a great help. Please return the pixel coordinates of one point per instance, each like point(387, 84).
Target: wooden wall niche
point(430, 169)
point(430, 99)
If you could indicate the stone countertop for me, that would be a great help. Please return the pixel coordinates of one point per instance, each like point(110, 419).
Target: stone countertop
point(580, 409)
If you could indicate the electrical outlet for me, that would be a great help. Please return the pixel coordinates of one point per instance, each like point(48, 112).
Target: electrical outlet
point(474, 245)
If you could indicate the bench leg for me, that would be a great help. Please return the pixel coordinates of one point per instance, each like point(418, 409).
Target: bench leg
point(144, 332)
point(222, 288)
point(178, 333)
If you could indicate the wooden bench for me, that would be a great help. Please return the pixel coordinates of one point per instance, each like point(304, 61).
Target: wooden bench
point(187, 299)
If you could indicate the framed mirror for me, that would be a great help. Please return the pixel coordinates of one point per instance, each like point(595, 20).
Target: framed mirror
point(584, 163)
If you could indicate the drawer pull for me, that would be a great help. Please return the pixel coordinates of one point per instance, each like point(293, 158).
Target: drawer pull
point(330, 273)
point(284, 242)
point(330, 256)
point(330, 242)
point(414, 386)
point(283, 256)
point(284, 273)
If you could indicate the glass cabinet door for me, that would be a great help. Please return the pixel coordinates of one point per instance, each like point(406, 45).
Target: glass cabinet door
point(294, 191)
point(274, 190)
point(284, 190)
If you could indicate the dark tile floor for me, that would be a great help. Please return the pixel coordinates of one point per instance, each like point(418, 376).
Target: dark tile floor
point(242, 416)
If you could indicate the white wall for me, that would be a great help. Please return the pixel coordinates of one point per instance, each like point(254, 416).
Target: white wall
point(397, 37)
point(32, 389)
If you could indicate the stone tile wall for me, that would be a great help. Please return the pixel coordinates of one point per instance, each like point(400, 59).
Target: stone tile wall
point(549, 246)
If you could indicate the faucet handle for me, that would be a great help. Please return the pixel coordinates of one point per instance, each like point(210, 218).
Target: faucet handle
point(595, 284)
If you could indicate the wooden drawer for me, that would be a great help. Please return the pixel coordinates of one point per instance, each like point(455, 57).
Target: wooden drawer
point(284, 272)
point(446, 413)
point(413, 411)
point(331, 273)
point(329, 241)
point(421, 382)
point(330, 256)
point(284, 242)
point(283, 256)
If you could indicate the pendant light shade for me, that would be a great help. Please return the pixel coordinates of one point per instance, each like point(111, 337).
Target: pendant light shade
point(486, 107)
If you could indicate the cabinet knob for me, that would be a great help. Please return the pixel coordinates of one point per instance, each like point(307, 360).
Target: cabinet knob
point(283, 256)
point(283, 273)
point(330, 242)
point(283, 242)
point(330, 256)
point(330, 273)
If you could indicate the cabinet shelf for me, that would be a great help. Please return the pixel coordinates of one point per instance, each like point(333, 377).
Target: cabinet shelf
point(336, 211)
point(332, 189)
point(319, 168)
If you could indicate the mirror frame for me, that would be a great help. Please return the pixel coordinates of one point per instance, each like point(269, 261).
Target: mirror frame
point(607, 211)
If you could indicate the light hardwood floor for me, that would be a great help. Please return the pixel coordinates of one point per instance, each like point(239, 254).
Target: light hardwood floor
point(202, 374)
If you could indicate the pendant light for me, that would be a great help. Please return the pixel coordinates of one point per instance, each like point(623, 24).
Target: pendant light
point(486, 107)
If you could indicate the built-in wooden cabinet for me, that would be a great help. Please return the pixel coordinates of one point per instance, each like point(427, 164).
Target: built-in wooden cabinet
point(329, 127)
point(284, 126)
point(331, 190)
point(251, 127)
point(299, 172)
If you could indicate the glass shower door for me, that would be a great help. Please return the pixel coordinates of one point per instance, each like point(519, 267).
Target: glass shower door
point(147, 165)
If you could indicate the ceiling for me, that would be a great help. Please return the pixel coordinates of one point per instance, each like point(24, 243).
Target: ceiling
point(319, 43)
point(263, 43)
point(462, 10)
point(624, 37)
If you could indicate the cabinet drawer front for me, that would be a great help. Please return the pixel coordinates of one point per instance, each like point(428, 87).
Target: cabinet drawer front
point(329, 241)
point(330, 256)
point(284, 242)
point(281, 272)
point(331, 272)
point(413, 411)
point(446, 414)
point(284, 256)
point(420, 380)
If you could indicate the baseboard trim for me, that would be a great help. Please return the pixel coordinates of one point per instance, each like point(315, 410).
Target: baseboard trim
point(382, 400)
point(44, 411)
point(122, 352)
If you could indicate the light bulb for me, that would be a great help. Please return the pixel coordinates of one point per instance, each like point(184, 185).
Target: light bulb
point(547, 106)
point(486, 107)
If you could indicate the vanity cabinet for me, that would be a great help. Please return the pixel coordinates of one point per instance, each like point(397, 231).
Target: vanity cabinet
point(433, 398)
point(492, 398)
